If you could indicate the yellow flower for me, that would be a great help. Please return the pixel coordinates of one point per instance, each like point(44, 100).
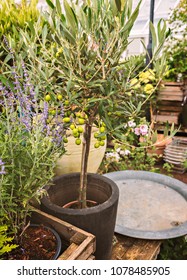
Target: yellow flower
point(135, 83)
point(60, 50)
point(148, 89)
point(150, 75)
point(144, 77)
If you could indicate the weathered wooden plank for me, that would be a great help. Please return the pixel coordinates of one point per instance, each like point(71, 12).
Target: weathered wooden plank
point(91, 258)
point(170, 109)
point(167, 83)
point(77, 238)
point(128, 248)
point(165, 118)
point(68, 252)
point(168, 113)
point(86, 248)
point(170, 97)
point(86, 253)
point(171, 89)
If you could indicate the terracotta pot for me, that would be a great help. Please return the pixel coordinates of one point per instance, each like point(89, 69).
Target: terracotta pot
point(160, 145)
point(73, 204)
point(71, 161)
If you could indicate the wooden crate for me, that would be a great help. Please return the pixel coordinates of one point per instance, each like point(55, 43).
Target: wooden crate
point(171, 91)
point(77, 243)
point(169, 104)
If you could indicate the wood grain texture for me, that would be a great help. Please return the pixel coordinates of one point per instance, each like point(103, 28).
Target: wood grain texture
point(128, 248)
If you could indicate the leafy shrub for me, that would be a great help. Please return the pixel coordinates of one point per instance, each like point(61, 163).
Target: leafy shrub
point(174, 249)
point(177, 45)
point(5, 241)
point(17, 16)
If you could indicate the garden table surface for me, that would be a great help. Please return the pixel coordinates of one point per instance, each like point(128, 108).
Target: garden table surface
point(128, 248)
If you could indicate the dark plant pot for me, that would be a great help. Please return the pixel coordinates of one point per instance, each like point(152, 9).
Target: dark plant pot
point(57, 237)
point(98, 220)
point(38, 242)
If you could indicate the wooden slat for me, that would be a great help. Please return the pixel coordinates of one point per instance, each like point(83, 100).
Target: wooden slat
point(170, 97)
point(173, 83)
point(81, 252)
point(163, 113)
point(169, 108)
point(77, 238)
point(86, 253)
point(91, 258)
point(165, 118)
point(171, 89)
point(128, 248)
point(66, 255)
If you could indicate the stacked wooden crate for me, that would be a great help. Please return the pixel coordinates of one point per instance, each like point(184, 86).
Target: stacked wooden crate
point(169, 104)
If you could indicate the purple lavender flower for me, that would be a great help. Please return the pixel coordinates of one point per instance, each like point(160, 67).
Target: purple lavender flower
point(23, 107)
point(2, 167)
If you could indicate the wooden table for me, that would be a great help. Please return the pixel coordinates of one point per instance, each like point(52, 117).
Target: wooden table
point(127, 248)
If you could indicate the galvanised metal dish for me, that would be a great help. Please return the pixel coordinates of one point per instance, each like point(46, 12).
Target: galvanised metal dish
point(151, 205)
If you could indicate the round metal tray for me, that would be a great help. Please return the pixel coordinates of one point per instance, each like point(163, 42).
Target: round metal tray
point(151, 205)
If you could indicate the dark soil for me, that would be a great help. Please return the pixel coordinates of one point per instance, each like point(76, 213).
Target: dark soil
point(37, 243)
point(180, 177)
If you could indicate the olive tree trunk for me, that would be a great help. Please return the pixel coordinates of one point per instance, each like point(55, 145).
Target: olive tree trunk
point(84, 165)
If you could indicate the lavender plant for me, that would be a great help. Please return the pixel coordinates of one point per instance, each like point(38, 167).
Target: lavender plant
point(29, 145)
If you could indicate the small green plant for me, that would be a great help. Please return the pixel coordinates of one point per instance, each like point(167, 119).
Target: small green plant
point(168, 168)
point(185, 164)
point(174, 249)
point(5, 241)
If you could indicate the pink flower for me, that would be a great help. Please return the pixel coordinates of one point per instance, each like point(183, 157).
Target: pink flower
point(137, 131)
point(131, 124)
point(143, 129)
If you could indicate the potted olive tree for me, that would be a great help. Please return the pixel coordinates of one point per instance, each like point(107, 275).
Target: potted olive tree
point(89, 40)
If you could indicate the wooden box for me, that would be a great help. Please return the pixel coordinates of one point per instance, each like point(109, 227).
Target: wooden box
point(171, 91)
point(169, 103)
point(77, 244)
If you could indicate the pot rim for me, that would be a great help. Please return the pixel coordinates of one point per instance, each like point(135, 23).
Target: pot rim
point(95, 209)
